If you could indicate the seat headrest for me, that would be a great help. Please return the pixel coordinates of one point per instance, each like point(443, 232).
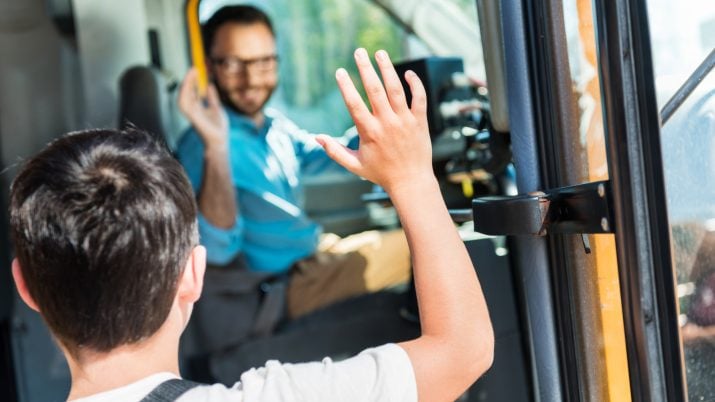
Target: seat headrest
point(144, 101)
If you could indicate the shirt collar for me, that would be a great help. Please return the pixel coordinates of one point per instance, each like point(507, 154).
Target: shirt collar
point(239, 121)
point(130, 391)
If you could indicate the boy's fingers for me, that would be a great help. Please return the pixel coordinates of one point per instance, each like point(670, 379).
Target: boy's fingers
point(339, 153)
point(393, 86)
point(371, 82)
point(419, 96)
point(356, 107)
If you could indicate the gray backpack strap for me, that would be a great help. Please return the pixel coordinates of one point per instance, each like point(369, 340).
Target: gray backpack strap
point(170, 390)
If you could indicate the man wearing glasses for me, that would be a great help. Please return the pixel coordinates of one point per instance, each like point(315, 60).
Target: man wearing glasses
point(246, 161)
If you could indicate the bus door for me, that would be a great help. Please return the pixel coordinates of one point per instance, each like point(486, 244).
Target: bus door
point(611, 232)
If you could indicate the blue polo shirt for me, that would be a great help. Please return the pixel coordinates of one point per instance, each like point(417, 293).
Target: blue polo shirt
point(267, 163)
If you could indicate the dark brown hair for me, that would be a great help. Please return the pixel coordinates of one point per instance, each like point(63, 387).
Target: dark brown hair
point(238, 14)
point(102, 222)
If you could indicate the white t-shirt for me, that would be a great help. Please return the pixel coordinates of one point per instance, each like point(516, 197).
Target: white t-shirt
point(378, 374)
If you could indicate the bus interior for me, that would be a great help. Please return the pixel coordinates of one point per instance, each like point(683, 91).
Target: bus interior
point(574, 142)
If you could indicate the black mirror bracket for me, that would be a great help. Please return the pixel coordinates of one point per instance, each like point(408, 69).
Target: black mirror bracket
point(581, 209)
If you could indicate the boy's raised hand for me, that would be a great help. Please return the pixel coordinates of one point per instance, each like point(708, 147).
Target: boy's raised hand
point(395, 146)
point(456, 344)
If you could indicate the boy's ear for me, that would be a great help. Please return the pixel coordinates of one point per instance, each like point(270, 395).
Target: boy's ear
point(192, 280)
point(22, 286)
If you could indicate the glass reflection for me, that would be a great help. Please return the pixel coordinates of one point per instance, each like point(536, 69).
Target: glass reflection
point(688, 141)
point(688, 149)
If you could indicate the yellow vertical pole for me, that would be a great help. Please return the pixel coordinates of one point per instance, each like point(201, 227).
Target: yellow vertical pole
point(196, 44)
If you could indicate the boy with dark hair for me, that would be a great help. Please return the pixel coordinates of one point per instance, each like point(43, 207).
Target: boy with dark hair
point(104, 230)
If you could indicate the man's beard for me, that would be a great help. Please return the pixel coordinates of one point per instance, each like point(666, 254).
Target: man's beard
point(229, 103)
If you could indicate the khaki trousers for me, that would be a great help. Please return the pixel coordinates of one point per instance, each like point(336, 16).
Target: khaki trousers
point(346, 267)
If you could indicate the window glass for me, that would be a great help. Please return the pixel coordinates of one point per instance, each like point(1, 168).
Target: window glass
point(682, 34)
point(315, 37)
point(688, 148)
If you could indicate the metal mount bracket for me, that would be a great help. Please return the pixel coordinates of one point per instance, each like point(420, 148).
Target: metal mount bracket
point(580, 209)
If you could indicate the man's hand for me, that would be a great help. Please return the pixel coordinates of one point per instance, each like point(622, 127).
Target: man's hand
point(207, 117)
point(395, 147)
point(217, 197)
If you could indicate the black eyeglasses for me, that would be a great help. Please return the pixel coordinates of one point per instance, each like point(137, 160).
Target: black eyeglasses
point(236, 65)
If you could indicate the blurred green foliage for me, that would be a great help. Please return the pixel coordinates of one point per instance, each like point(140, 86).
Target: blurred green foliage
point(316, 37)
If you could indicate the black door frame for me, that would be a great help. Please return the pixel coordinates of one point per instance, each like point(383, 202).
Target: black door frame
point(642, 232)
point(531, 255)
point(534, 62)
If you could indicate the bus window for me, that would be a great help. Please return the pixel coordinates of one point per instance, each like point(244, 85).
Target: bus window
point(313, 41)
point(315, 38)
point(688, 149)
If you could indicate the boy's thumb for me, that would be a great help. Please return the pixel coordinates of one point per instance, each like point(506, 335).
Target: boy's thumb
point(344, 156)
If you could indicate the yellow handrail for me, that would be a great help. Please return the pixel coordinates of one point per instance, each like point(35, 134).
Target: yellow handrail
point(196, 45)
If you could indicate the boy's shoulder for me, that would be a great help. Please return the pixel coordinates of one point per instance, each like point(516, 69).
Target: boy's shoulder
point(382, 373)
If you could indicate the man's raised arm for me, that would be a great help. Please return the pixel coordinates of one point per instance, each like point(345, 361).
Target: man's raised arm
point(217, 198)
point(457, 342)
